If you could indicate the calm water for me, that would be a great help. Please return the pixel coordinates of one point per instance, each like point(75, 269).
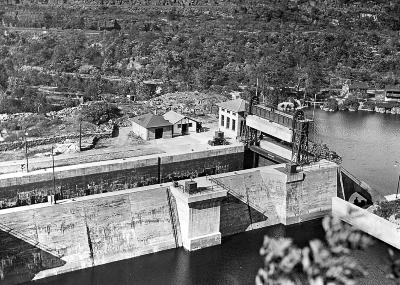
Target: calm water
point(236, 261)
point(368, 142)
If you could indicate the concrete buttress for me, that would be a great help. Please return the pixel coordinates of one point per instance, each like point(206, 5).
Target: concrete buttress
point(199, 214)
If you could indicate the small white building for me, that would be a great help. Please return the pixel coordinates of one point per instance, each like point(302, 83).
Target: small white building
point(150, 127)
point(182, 125)
point(231, 117)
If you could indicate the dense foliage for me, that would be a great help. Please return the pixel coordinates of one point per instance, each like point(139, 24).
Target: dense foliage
point(321, 151)
point(317, 264)
point(219, 47)
point(385, 209)
point(331, 104)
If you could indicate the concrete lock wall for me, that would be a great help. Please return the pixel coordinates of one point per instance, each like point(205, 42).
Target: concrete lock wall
point(94, 178)
point(42, 240)
point(88, 232)
point(268, 195)
point(256, 199)
point(311, 197)
point(367, 222)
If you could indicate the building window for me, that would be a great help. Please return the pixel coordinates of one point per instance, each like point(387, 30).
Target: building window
point(179, 126)
point(190, 125)
point(233, 124)
point(222, 120)
point(223, 110)
point(227, 122)
point(228, 112)
point(233, 113)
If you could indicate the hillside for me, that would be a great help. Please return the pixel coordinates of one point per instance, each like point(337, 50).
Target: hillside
point(217, 45)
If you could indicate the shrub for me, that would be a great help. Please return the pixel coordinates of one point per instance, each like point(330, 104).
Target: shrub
point(386, 209)
point(369, 105)
point(319, 263)
point(99, 112)
point(350, 102)
point(331, 104)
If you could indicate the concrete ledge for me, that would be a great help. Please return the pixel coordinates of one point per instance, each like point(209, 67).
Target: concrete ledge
point(88, 168)
point(392, 197)
point(205, 195)
point(312, 215)
point(269, 127)
point(367, 222)
point(203, 241)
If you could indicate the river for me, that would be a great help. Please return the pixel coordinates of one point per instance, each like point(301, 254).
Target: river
point(369, 144)
point(236, 261)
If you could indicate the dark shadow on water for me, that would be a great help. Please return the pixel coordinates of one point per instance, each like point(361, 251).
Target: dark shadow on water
point(238, 216)
point(235, 261)
point(20, 261)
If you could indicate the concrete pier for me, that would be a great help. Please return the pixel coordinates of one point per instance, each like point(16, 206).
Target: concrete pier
point(199, 213)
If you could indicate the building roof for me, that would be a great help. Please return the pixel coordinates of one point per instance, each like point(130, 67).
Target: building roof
point(151, 121)
point(173, 117)
point(238, 105)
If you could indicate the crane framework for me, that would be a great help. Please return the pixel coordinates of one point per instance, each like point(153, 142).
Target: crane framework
point(300, 126)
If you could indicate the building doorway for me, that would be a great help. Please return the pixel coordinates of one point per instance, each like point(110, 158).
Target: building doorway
point(158, 133)
point(184, 129)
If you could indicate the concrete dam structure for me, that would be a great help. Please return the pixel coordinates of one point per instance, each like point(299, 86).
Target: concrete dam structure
point(43, 240)
point(188, 196)
point(112, 175)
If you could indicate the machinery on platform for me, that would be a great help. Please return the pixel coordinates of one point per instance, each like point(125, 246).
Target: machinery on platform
point(295, 121)
point(218, 139)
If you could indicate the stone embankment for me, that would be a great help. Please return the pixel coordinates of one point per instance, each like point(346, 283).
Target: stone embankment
point(394, 110)
point(380, 108)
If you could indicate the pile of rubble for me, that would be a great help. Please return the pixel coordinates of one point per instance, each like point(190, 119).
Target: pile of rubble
point(16, 116)
point(64, 113)
point(185, 102)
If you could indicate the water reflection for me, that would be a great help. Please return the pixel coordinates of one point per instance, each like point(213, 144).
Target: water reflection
point(368, 142)
point(236, 261)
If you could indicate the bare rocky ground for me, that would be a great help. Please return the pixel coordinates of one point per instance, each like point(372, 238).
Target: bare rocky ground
point(194, 104)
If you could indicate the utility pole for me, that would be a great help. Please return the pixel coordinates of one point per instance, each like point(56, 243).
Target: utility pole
point(313, 117)
point(398, 182)
point(396, 164)
point(80, 134)
point(257, 88)
point(26, 152)
point(54, 176)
